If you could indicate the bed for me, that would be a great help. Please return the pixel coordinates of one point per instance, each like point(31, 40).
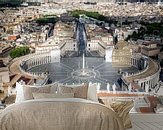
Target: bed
point(59, 114)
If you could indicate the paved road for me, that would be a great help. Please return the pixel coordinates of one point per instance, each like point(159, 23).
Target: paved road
point(82, 40)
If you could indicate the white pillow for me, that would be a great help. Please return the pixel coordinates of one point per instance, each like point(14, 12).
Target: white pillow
point(52, 95)
point(29, 90)
point(92, 92)
point(19, 94)
point(53, 86)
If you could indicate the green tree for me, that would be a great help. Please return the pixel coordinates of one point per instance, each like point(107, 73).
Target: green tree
point(134, 36)
point(47, 19)
point(161, 63)
point(10, 3)
point(95, 15)
point(128, 38)
point(20, 51)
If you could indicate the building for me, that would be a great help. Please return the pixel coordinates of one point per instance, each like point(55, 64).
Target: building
point(4, 49)
point(150, 49)
point(4, 73)
point(98, 40)
point(63, 39)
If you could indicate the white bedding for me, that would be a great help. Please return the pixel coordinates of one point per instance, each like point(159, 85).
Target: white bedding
point(59, 114)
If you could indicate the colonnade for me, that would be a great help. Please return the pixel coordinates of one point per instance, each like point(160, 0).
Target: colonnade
point(38, 61)
point(143, 78)
point(31, 61)
point(150, 82)
point(135, 62)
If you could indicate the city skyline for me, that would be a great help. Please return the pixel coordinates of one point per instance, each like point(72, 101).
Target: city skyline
point(81, 65)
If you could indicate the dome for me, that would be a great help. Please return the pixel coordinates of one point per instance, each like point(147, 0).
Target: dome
point(121, 44)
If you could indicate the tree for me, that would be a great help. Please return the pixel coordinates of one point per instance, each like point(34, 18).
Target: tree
point(95, 15)
point(128, 38)
point(161, 63)
point(47, 19)
point(134, 36)
point(20, 51)
point(10, 3)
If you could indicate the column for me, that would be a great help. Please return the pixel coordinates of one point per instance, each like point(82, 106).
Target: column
point(42, 60)
point(39, 61)
point(50, 59)
point(134, 62)
point(147, 87)
point(46, 59)
point(35, 62)
point(149, 83)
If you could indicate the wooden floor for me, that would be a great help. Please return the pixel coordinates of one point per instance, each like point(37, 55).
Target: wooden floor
point(147, 126)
